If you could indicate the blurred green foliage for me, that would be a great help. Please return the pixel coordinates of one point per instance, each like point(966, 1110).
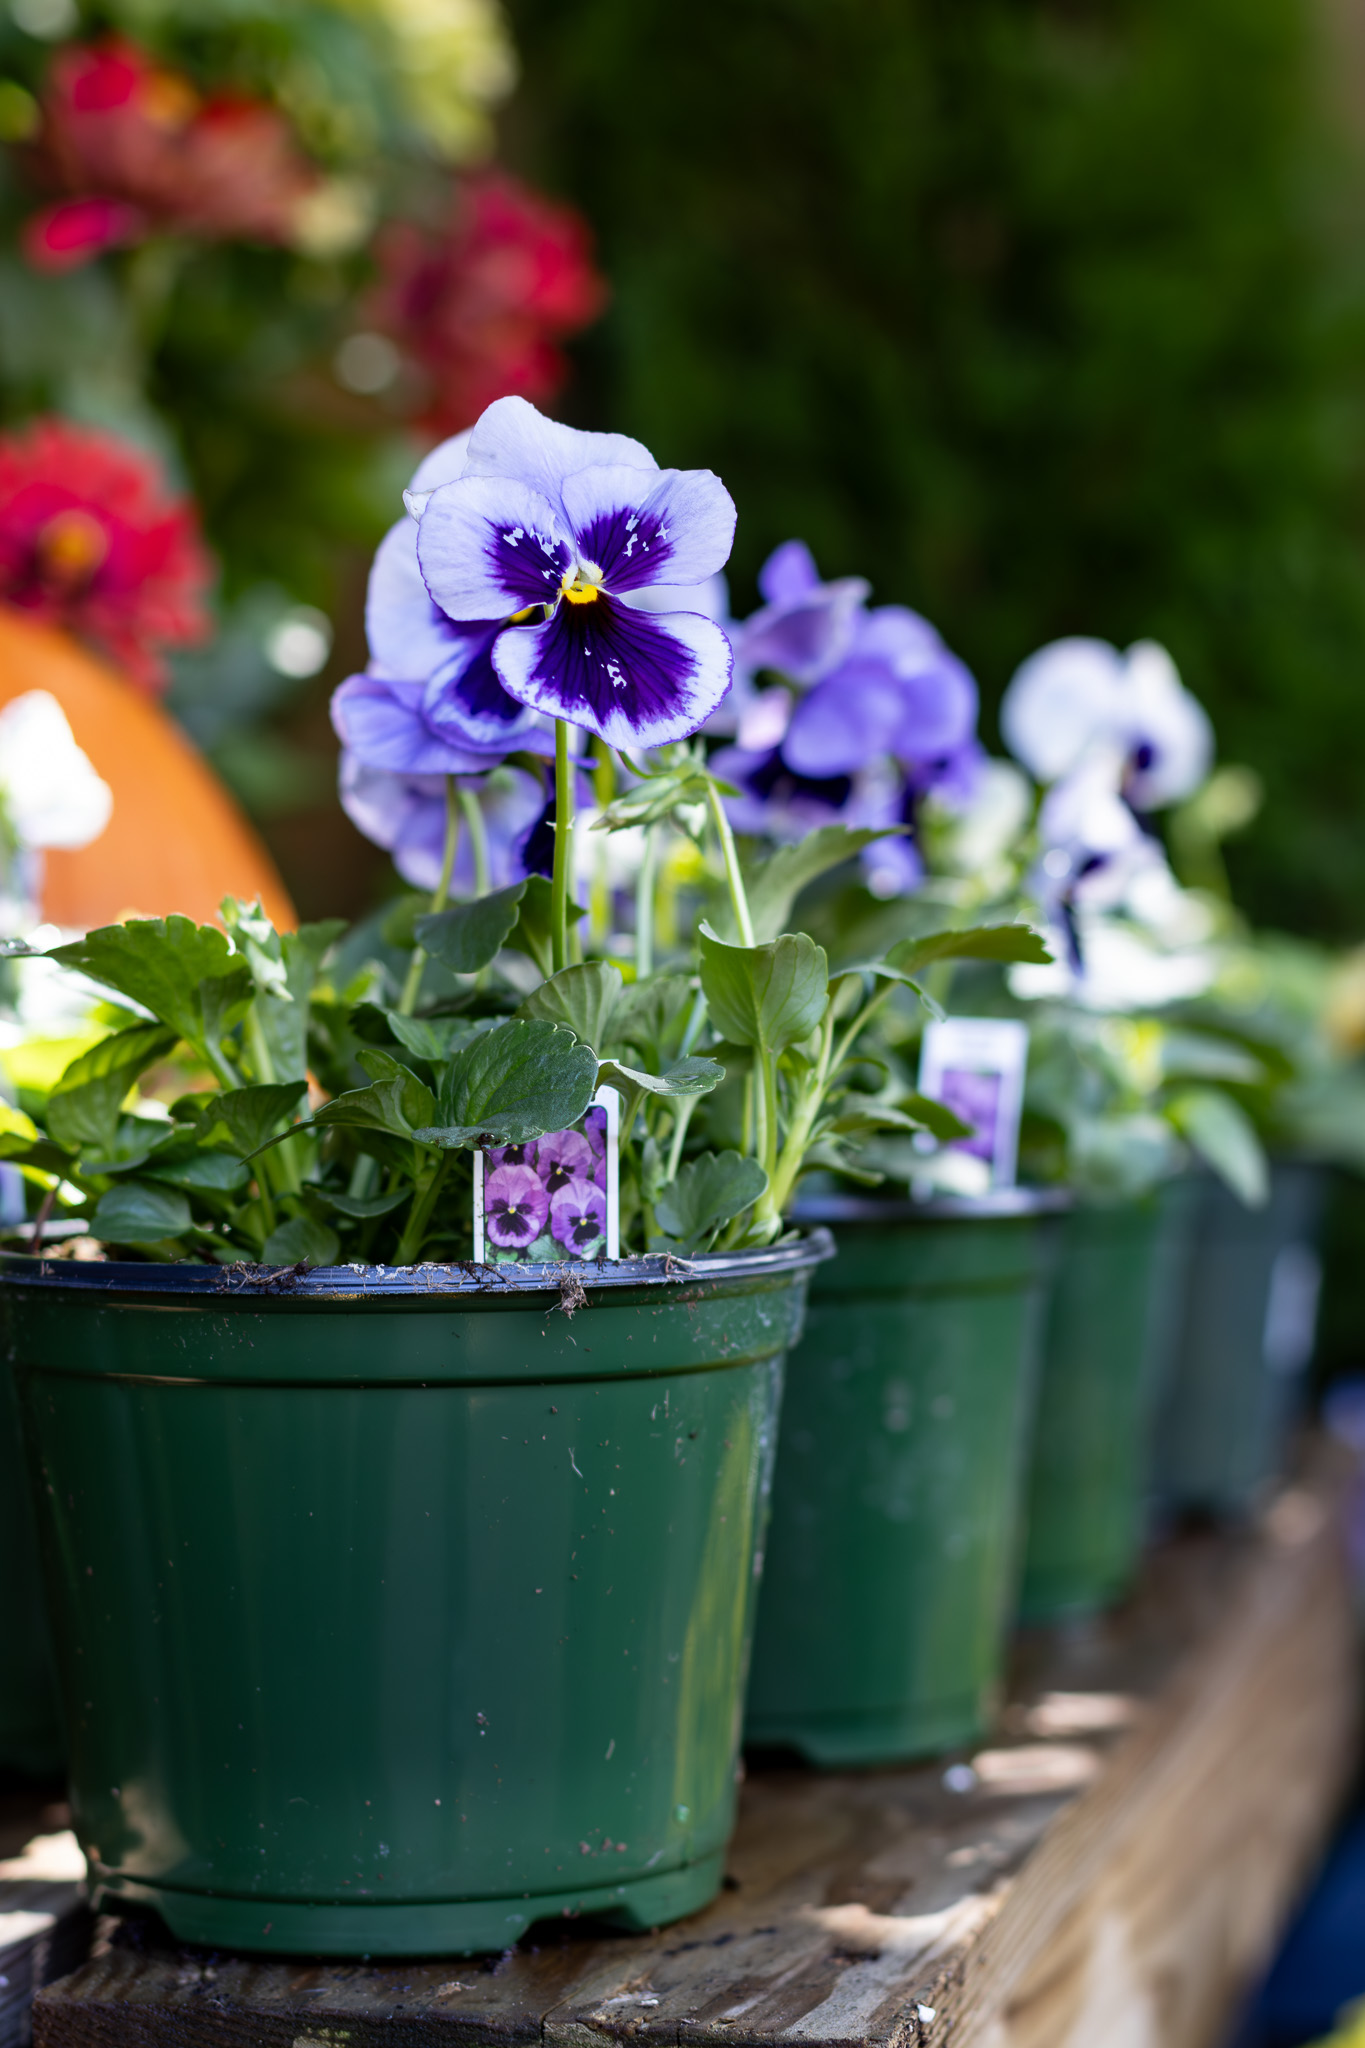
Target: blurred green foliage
point(1045, 316)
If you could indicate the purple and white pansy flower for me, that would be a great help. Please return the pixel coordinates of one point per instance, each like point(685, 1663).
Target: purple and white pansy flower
point(1079, 692)
point(406, 814)
point(556, 532)
point(870, 713)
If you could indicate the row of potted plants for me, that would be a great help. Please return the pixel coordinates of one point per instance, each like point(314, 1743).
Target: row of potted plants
point(400, 1338)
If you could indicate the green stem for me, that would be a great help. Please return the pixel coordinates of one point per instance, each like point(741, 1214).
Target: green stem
point(738, 899)
point(281, 1160)
point(559, 886)
point(478, 839)
point(423, 1202)
point(681, 1119)
point(412, 987)
point(599, 902)
point(644, 906)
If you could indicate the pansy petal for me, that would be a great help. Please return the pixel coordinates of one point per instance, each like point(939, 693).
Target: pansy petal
point(678, 531)
point(803, 640)
point(380, 722)
point(711, 598)
point(489, 546)
point(465, 703)
point(410, 637)
point(513, 440)
point(894, 634)
point(846, 721)
point(442, 466)
point(1061, 699)
point(789, 574)
point(1170, 738)
point(636, 679)
point(939, 709)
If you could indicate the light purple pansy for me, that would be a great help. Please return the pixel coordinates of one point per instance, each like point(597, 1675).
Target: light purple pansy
point(564, 1156)
point(554, 530)
point(804, 627)
point(516, 1206)
point(578, 1215)
point(385, 724)
point(595, 1131)
point(898, 692)
point(406, 815)
point(413, 642)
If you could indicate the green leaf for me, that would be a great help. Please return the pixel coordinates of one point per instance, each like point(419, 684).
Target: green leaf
point(1223, 1135)
point(771, 996)
point(979, 942)
point(584, 998)
point(361, 1207)
point(517, 1082)
point(301, 1240)
point(652, 1016)
point(83, 1108)
point(398, 1102)
point(468, 935)
point(398, 925)
point(219, 1172)
point(435, 1038)
point(693, 1076)
point(777, 884)
point(248, 1116)
point(708, 1192)
point(133, 1213)
point(171, 966)
point(934, 1116)
point(531, 934)
point(1193, 1056)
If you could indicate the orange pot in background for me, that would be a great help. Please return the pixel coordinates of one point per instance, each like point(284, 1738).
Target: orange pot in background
point(176, 841)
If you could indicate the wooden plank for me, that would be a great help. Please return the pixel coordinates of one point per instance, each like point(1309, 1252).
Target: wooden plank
point(45, 1925)
point(1105, 1875)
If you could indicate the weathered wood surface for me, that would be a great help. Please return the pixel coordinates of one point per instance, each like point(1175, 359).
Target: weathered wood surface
point(1116, 1867)
point(45, 1926)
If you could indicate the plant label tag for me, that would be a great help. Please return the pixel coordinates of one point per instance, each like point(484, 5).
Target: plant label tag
point(553, 1198)
point(976, 1066)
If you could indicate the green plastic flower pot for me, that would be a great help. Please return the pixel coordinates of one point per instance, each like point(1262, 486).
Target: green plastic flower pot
point(892, 1552)
point(396, 1609)
point(1111, 1328)
point(1247, 1338)
point(30, 1732)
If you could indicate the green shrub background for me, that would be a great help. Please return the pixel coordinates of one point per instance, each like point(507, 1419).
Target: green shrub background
point(1046, 318)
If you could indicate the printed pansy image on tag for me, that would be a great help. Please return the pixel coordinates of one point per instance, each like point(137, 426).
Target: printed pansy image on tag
point(552, 1198)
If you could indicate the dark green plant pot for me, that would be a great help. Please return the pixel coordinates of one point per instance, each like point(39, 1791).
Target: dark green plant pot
point(892, 1552)
point(30, 1731)
point(1111, 1327)
point(394, 1609)
point(1246, 1341)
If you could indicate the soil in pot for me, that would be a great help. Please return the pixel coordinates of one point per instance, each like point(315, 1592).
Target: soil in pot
point(1111, 1327)
point(398, 1609)
point(1245, 1342)
point(893, 1549)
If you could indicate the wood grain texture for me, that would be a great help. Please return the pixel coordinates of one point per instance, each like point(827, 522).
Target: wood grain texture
point(1116, 1870)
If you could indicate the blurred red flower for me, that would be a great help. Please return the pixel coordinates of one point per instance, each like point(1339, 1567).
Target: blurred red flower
point(141, 153)
point(91, 539)
point(483, 307)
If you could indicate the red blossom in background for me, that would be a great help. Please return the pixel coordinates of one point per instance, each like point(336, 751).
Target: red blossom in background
point(141, 153)
point(91, 539)
point(482, 308)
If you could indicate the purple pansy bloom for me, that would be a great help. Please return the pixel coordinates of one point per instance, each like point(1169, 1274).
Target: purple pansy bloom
point(595, 1131)
point(554, 530)
point(406, 815)
point(578, 1215)
point(564, 1156)
point(512, 1155)
point(805, 626)
point(515, 1206)
point(443, 665)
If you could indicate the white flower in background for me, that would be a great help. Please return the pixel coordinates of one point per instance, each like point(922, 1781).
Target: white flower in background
point(51, 793)
point(1078, 694)
point(974, 837)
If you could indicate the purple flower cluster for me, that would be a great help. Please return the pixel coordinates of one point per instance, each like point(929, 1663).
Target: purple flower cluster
point(547, 1199)
point(865, 713)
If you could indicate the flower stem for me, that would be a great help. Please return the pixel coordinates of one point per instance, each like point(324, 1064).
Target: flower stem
point(599, 902)
point(412, 987)
point(423, 1202)
point(559, 886)
point(739, 901)
point(644, 905)
point(478, 839)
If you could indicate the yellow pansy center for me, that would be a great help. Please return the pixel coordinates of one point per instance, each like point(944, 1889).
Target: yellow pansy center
point(582, 584)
